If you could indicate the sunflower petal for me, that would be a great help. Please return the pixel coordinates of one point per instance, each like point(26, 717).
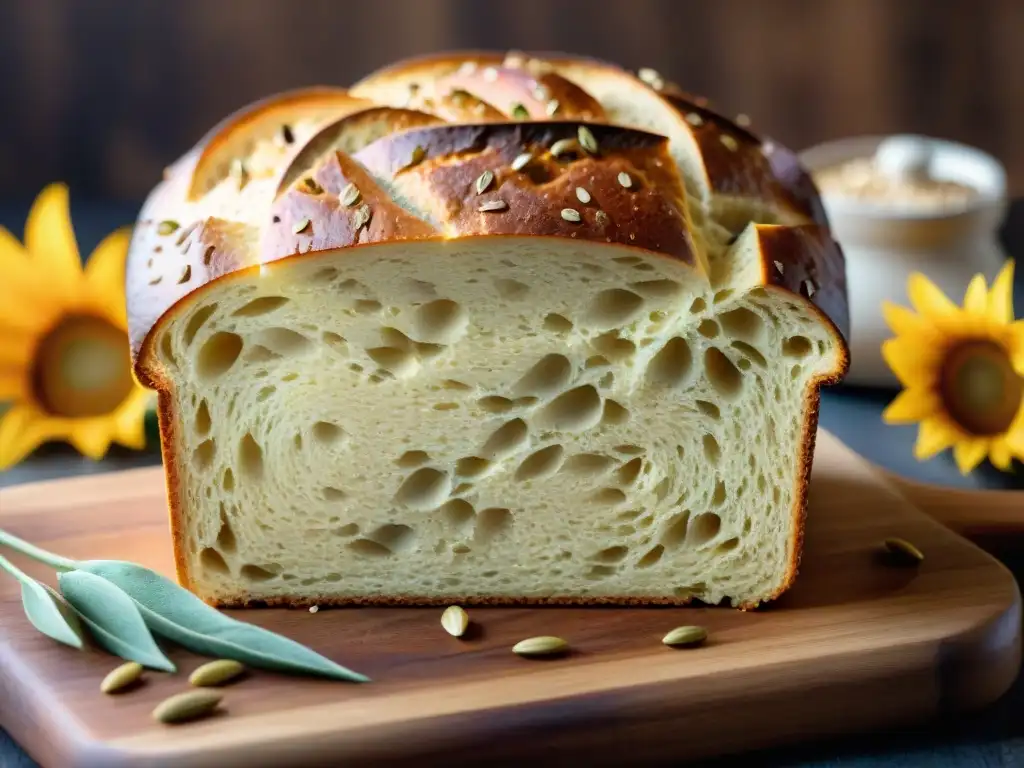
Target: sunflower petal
point(905, 322)
point(130, 420)
point(50, 239)
point(927, 298)
point(914, 364)
point(976, 297)
point(91, 437)
point(12, 384)
point(970, 453)
point(104, 274)
point(1000, 455)
point(23, 429)
point(912, 405)
point(934, 436)
point(1000, 300)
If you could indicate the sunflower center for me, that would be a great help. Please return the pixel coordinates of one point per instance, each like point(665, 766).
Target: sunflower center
point(980, 389)
point(82, 368)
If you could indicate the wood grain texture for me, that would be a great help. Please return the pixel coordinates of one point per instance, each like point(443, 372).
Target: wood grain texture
point(104, 94)
point(853, 646)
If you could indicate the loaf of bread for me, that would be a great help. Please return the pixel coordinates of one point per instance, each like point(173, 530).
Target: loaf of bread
point(487, 329)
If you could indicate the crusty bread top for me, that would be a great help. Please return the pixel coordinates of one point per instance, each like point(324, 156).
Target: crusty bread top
point(477, 144)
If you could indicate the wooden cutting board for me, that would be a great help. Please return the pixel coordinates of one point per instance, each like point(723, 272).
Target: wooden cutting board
point(855, 645)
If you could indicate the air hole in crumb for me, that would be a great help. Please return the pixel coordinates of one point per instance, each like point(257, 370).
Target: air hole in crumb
point(227, 480)
point(611, 554)
point(652, 556)
point(424, 489)
point(226, 536)
point(630, 450)
point(394, 536)
point(196, 322)
point(742, 323)
point(411, 459)
point(630, 471)
point(722, 295)
point(542, 463)
point(471, 466)
point(708, 329)
point(728, 545)
point(492, 522)
point(709, 409)
point(264, 393)
point(399, 362)
point(750, 353)
point(698, 306)
point(614, 348)
point(672, 365)
point(327, 433)
point(703, 528)
point(455, 385)
point(368, 548)
point(596, 361)
point(202, 422)
point(718, 497)
point(557, 323)
point(367, 306)
point(332, 494)
point(675, 531)
point(577, 410)
point(166, 349)
point(260, 354)
point(548, 376)
point(609, 497)
point(297, 442)
point(797, 346)
point(218, 354)
point(212, 560)
point(324, 275)
point(661, 289)
point(600, 572)
point(613, 307)
point(507, 439)
point(284, 341)
point(723, 376)
point(335, 340)
point(441, 321)
point(614, 413)
point(511, 290)
point(712, 451)
point(495, 404)
point(446, 406)
point(202, 458)
point(250, 457)
point(589, 464)
point(348, 529)
point(458, 514)
point(262, 306)
point(251, 572)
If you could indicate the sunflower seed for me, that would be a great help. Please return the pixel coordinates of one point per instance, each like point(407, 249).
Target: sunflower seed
point(310, 185)
point(743, 120)
point(587, 140)
point(467, 68)
point(454, 620)
point(552, 107)
point(350, 195)
point(541, 92)
point(191, 705)
point(694, 119)
point(492, 205)
point(582, 195)
point(545, 645)
point(186, 274)
point(728, 142)
point(216, 673)
point(121, 677)
point(314, 608)
point(520, 112)
point(625, 180)
point(301, 226)
point(570, 214)
point(521, 161)
point(809, 288)
point(483, 181)
point(902, 552)
point(684, 637)
point(362, 217)
point(562, 146)
point(648, 75)
point(490, 74)
point(601, 218)
point(239, 172)
point(166, 227)
point(778, 266)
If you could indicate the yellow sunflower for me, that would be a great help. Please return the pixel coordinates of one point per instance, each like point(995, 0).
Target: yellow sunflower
point(962, 369)
point(64, 363)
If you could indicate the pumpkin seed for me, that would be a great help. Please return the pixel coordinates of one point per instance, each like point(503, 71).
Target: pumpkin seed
point(492, 205)
point(520, 112)
point(685, 637)
point(121, 677)
point(182, 707)
point(545, 645)
point(587, 140)
point(521, 161)
point(455, 620)
point(562, 146)
point(582, 195)
point(552, 107)
point(902, 551)
point(166, 227)
point(301, 226)
point(483, 181)
point(570, 214)
point(350, 195)
point(216, 673)
point(418, 153)
point(625, 180)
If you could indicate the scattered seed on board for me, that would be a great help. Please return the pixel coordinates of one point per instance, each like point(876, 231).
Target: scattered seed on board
point(582, 195)
point(455, 620)
point(166, 227)
point(216, 673)
point(183, 707)
point(902, 552)
point(301, 226)
point(521, 161)
point(570, 214)
point(685, 637)
point(587, 140)
point(483, 181)
point(314, 608)
point(122, 677)
point(492, 205)
point(545, 645)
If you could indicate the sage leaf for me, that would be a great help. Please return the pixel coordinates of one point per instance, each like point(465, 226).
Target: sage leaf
point(176, 614)
point(49, 616)
point(113, 619)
